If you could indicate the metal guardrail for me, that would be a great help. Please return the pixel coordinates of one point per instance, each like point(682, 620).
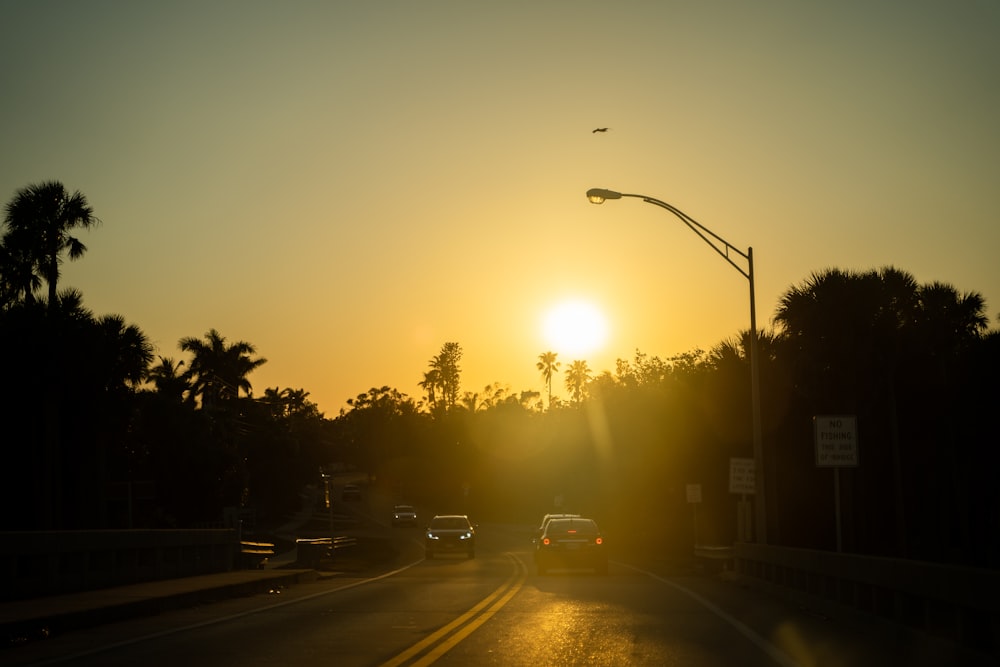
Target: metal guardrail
point(714, 553)
point(254, 555)
point(951, 602)
point(313, 552)
point(714, 558)
point(344, 542)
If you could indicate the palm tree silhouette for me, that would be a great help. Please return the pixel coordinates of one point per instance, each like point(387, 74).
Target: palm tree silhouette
point(39, 219)
point(219, 371)
point(448, 373)
point(128, 351)
point(854, 335)
point(548, 365)
point(18, 280)
point(168, 378)
point(577, 378)
point(431, 383)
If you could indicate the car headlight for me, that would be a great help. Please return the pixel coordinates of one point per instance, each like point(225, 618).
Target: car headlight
point(431, 536)
point(465, 536)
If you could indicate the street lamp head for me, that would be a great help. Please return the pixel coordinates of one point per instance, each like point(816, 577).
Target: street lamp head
point(598, 195)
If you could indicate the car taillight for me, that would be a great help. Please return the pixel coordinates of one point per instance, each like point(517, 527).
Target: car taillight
point(545, 541)
point(599, 540)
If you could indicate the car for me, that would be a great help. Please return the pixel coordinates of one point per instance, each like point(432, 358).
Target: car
point(574, 542)
point(350, 492)
point(404, 515)
point(450, 533)
point(549, 517)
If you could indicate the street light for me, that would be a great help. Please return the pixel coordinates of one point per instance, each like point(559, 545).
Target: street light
point(724, 248)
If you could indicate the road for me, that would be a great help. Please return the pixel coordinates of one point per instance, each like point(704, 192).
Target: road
point(491, 610)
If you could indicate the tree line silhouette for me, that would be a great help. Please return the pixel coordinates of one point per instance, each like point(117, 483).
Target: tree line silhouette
point(100, 433)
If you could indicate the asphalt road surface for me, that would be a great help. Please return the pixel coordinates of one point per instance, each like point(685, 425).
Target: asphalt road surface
point(492, 610)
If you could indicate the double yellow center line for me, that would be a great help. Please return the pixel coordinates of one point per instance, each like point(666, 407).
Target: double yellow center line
point(435, 645)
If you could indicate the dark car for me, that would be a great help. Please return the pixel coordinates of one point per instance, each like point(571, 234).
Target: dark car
point(404, 515)
point(450, 533)
point(571, 543)
point(549, 517)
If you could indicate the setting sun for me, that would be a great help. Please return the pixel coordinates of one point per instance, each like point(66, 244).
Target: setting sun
point(575, 327)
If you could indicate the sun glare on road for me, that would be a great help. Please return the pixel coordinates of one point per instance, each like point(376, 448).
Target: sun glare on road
point(575, 328)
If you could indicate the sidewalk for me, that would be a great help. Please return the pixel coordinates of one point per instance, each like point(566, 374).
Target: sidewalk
point(28, 620)
point(24, 621)
point(38, 618)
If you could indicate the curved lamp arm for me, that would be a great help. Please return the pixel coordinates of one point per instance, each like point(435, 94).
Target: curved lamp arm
point(723, 247)
point(718, 244)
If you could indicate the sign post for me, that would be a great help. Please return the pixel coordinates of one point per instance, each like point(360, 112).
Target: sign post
point(693, 492)
point(836, 439)
point(743, 482)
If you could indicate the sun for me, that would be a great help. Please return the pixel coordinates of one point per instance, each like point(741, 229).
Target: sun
point(574, 328)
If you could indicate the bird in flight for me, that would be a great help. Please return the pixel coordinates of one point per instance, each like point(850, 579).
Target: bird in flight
point(601, 129)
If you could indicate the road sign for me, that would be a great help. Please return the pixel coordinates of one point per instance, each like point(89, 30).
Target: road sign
point(836, 441)
point(741, 476)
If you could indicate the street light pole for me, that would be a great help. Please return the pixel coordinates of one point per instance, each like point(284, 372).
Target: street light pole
point(725, 249)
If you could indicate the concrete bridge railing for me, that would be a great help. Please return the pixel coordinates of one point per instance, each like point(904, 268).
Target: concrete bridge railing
point(34, 564)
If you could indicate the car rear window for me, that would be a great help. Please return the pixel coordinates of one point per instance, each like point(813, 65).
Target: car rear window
point(567, 526)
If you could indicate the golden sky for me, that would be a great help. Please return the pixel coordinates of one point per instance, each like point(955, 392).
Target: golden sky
point(348, 186)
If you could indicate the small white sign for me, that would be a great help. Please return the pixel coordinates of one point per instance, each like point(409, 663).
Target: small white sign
point(694, 493)
point(836, 441)
point(741, 476)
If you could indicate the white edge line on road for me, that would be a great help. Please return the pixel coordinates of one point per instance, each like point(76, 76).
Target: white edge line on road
point(770, 649)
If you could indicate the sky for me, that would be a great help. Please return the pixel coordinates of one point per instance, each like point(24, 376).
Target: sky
point(348, 186)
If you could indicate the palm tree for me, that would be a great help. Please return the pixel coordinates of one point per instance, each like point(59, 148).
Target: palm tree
point(297, 402)
point(449, 373)
point(548, 365)
point(168, 378)
point(288, 402)
point(577, 379)
point(219, 371)
point(128, 351)
point(876, 343)
point(18, 282)
point(39, 220)
point(431, 383)
point(952, 321)
point(276, 401)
